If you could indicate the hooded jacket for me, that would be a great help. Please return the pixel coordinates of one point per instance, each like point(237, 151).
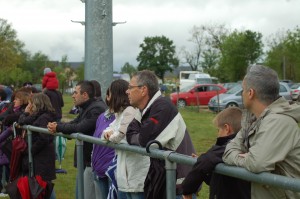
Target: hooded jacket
point(50, 81)
point(271, 144)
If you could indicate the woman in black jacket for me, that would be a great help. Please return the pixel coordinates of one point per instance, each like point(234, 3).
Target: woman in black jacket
point(38, 113)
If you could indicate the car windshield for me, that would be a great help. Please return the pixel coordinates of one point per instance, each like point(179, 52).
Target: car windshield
point(295, 86)
point(234, 89)
point(186, 89)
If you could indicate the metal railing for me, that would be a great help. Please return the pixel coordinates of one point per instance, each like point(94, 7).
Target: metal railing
point(171, 158)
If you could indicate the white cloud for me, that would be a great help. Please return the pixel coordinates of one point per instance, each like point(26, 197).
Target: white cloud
point(45, 25)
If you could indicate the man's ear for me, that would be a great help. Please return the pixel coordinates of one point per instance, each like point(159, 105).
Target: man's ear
point(251, 93)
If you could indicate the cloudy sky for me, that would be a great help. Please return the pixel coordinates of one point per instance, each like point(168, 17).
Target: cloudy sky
point(45, 25)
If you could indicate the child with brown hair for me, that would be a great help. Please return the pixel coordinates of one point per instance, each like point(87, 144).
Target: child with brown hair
point(228, 123)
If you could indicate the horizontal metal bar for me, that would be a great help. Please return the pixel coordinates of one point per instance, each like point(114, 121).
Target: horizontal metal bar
point(283, 182)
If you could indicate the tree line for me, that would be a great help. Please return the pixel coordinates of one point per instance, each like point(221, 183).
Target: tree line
point(215, 49)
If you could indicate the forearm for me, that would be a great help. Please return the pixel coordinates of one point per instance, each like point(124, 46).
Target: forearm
point(116, 137)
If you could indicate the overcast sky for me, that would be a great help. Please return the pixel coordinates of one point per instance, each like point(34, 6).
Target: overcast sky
point(45, 25)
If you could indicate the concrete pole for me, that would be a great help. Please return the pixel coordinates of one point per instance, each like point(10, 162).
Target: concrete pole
point(98, 42)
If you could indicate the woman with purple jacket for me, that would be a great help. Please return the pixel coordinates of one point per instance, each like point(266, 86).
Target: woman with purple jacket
point(102, 156)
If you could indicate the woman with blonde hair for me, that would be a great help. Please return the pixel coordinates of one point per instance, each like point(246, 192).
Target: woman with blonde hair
point(39, 112)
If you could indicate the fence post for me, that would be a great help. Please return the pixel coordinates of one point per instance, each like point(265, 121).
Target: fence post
point(29, 140)
point(170, 176)
point(80, 168)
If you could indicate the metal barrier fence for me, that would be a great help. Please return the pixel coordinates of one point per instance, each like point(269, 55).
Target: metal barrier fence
point(171, 158)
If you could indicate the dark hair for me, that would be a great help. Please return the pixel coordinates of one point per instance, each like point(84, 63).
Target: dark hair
point(3, 94)
point(107, 93)
point(88, 87)
point(27, 84)
point(97, 87)
point(119, 99)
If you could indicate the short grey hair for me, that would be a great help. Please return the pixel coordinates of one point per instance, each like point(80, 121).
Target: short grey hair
point(147, 78)
point(264, 81)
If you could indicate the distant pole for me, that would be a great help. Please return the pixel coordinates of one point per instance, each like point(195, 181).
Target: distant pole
point(98, 42)
point(283, 68)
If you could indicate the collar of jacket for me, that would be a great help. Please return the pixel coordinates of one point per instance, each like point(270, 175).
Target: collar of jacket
point(85, 104)
point(223, 140)
point(156, 95)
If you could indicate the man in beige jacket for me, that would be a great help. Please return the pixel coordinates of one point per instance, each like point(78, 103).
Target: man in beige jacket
point(270, 140)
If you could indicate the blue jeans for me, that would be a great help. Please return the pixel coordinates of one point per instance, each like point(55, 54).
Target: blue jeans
point(88, 184)
point(132, 195)
point(53, 195)
point(101, 187)
point(122, 195)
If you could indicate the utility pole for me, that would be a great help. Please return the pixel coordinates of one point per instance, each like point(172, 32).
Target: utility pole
point(98, 42)
point(283, 68)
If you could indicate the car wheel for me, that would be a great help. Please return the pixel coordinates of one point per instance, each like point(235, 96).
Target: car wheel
point(231, 104)
point(181, 103)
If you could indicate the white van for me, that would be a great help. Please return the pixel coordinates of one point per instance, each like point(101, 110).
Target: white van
point(190, 78)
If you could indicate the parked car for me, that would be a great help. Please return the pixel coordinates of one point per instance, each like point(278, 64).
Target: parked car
point(230, 85)
point(199, 94)
point(295, 92)
point(233, 97)
point(288, 81)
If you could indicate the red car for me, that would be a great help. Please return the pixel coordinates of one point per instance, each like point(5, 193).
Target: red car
point(199, 94)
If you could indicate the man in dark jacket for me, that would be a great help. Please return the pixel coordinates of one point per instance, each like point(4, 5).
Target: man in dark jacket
point(228, 122)
point(89, 110)
point(159, 120)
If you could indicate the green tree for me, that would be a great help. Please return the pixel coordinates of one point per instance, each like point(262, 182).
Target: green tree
point(291, 59)
point(193, 57)
point(158, 55)
point(65, 73)
point(14, 76)
point(35, 64)
point(239, 50)
point(283, 54)
point(206, 49)
point(128, 68)
point(277, 52)
point(79, 73)
point(11, 48)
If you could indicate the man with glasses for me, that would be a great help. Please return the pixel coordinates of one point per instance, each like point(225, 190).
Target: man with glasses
point(89, 110)
point(269, 140)
point(158, 120)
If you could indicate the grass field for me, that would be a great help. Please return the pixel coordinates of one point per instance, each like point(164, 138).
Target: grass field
point(199, 124)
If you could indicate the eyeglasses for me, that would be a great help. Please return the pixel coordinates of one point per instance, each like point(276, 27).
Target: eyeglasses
point(131, 87)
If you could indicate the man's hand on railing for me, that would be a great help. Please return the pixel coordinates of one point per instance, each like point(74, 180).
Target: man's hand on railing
point(52, 127)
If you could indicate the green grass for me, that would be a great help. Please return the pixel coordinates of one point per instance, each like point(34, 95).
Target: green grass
point(200, 127)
